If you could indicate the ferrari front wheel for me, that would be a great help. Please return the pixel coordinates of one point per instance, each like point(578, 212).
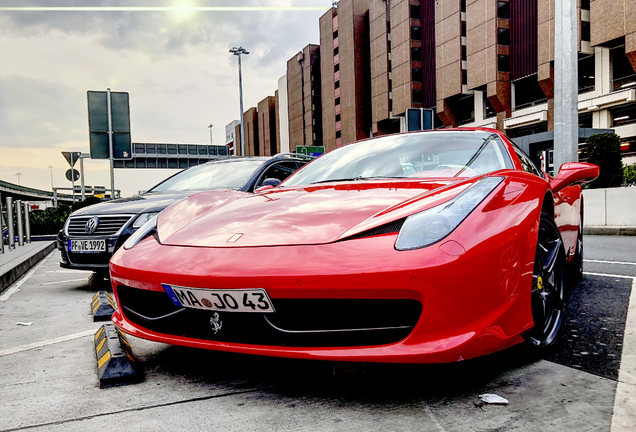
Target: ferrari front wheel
point(548, 287)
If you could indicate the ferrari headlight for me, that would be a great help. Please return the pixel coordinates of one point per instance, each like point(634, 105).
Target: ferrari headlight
point(141, 233)
point(430, 226)
point(143, 218)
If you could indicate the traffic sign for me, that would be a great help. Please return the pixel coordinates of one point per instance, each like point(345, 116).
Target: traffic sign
point(98, 124)
point(310, 150)
point(72, 175)
point(71, 157)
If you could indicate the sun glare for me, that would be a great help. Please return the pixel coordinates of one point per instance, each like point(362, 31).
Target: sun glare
point(184, 10)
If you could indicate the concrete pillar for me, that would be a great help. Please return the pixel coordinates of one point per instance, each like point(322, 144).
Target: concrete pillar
point(27, 221)
point(10, 222)
point(602, 72)
point(18, 210)
point(479, 105)
point(1, 229)
point(602, 119)
point(566, 125)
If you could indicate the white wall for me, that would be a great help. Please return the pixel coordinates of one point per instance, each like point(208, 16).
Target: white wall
point(283, 114)
point(612, 207)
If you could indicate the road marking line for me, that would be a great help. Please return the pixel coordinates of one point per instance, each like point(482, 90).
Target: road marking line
point(610, 262)
point(624, 414)
point(608, 275)
point(65, 281)
point(16, 286)
point(47, 342)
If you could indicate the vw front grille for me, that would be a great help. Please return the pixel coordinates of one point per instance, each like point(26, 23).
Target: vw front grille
point(108, 225)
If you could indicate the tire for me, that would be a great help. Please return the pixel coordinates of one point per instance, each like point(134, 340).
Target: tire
point(548, 286)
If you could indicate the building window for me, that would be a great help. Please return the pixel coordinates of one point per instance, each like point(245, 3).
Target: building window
point(503, 63)
point(336, 67)
point(338, 100)
point(416, 54)
point(416, 74)
point(585, 31)
point(624, 115)
point(463, 107)
point(464, 76)
point(335, 34)
point(338, 134)
point(463, 28)
point(140, 148)
point(489, 111)
point(503, 36)
point(183, 149)
point(416, 32)
point(585, 4)
point(336, 50)
point(503, 10)
point(172, 149)
point(418, 96)
point(585, 120)
point(464, 52)
point(338, 117)
point(586, 74)
point(623, 76)
point(336, 84)
point(415, 12)
point(527, 92)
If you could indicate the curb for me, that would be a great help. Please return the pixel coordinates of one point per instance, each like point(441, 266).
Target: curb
point(18, 271)
point(609, 230)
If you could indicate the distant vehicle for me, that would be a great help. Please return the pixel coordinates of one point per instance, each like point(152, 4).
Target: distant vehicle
point(92, 234)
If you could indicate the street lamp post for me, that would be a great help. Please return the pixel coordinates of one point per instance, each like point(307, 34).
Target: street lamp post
point(51, 169)
point(237, 51)
point(19, 174)
point(210, 126)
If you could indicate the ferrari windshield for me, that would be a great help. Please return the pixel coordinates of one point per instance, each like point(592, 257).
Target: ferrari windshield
point(420, 155)
point(216, 175)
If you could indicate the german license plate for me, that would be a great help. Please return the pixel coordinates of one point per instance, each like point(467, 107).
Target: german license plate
point(87, 245)
point(222, 300)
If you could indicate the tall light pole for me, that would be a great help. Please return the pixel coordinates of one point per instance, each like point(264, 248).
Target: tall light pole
point(210, 126)
point(237, 51)
point(51, 169)
point(18, 174)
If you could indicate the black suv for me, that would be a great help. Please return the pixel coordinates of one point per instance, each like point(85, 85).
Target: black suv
point(92, 234)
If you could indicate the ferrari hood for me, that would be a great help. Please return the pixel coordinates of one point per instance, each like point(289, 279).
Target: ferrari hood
point(300, 216)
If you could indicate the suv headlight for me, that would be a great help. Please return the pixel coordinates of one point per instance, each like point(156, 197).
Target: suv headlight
point(144, 231)
point(143, 218)
point(432, 225)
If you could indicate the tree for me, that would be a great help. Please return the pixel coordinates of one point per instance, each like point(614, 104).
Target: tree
point(604, 150)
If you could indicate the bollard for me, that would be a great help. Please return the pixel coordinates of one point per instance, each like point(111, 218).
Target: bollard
point(1, 228)
point(27, 221)
point(10, 222)
point(18, 211)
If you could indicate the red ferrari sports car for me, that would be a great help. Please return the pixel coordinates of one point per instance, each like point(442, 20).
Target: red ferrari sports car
point(421, 247)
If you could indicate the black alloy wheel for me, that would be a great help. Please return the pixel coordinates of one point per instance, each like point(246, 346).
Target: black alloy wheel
point(548, 288)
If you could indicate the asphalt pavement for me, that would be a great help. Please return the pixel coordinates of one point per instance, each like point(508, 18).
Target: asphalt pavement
point(48, 378)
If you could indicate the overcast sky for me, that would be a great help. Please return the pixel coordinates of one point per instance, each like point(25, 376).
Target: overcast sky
point(174, 64)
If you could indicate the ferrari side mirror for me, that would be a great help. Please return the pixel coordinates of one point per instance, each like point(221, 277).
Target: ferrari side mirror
point(263, 188)
point(572, 173)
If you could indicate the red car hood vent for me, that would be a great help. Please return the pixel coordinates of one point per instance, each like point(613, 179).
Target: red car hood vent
point(300, 216)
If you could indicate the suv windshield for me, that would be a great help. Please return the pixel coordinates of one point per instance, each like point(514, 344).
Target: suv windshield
point(419, 155)
point(216, 175)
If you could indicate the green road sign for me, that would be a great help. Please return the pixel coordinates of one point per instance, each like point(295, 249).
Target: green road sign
point(310, 150)
point(98, 124)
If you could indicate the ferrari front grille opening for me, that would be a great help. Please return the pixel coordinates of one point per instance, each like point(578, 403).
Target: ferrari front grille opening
point(296, 322)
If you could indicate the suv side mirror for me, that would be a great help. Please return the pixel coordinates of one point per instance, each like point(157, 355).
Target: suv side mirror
point(572, 173)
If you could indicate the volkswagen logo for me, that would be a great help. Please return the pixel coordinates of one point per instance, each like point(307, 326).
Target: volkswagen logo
point(91, 225)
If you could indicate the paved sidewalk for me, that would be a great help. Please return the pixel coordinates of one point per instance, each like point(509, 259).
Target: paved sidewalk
point(14, 263)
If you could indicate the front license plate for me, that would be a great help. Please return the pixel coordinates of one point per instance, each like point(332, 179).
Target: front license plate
point(86, 245)
point(236, 300)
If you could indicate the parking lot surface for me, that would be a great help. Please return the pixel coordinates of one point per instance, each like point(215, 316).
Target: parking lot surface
point(48, 378)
